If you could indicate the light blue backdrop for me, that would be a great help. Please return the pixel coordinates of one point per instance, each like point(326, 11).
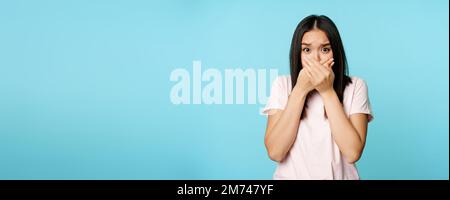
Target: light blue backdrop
point(84, 86)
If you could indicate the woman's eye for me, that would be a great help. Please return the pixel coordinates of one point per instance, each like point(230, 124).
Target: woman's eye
point(306, 50)
point(325, 50)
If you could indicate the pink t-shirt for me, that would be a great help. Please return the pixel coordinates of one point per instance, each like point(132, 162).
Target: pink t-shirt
point(314, 154)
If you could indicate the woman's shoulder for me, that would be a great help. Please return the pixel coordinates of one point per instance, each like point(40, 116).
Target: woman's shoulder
point(358, 86)
point(284, 82)
point(356, 78)
point(357, 82)
point(283, 78)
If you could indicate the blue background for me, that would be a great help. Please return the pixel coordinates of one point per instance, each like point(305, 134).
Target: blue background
point(85, 86)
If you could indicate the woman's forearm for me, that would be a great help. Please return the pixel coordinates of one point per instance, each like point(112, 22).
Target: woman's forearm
point(282, 134)
point(342, 130)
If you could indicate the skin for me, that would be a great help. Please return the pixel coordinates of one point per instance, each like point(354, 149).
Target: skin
point(317, 74)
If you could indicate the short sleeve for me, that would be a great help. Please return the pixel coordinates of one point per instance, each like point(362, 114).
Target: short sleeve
point(278, 95)
point(360, 100)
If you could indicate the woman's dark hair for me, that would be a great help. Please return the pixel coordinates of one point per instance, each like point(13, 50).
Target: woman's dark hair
point(340, 69)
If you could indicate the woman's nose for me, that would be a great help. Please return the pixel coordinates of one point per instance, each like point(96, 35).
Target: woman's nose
point(316, 56)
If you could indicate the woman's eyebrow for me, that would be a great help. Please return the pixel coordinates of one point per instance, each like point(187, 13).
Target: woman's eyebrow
point(308, 44)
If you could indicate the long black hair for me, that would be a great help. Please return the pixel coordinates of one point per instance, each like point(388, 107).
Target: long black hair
point(340, 68)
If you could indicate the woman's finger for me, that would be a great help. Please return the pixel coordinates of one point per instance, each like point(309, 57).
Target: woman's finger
point(307, 61)
point(305, 64)
point(315, 73)
point(325, 61)
point(310, 72)
point(322, 70)
point(328, 63)
point(314, 62)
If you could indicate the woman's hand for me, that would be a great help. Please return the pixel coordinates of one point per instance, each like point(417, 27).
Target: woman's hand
point(320, 74)
point(303, 82)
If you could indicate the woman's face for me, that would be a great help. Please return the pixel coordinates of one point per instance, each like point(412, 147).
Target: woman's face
point(315, 45)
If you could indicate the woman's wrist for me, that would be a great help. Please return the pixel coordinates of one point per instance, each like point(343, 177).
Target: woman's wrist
point(328, 94)
point(299, 92)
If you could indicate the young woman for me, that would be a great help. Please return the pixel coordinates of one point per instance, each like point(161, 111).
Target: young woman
point(317, 116)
